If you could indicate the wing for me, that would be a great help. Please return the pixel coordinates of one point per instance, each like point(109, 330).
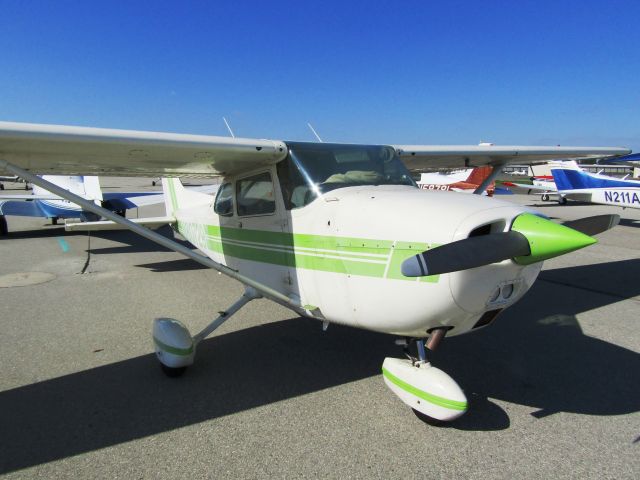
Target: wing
point(28, 197)
point(149, 222)
point(68, 150)
point(421, 157)
point(534, 188)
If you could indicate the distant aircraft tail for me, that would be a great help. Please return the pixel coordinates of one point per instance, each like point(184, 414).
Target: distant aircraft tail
point(177, 197)
point(92, 188)
point(87, 187)
point(479, 175)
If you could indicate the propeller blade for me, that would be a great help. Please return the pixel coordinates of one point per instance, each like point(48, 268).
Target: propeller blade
point(594, 225)
point(532, 239)
point(467, 253)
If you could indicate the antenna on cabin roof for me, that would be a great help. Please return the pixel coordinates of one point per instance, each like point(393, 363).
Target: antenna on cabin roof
point(228, 127)
point(314, 132)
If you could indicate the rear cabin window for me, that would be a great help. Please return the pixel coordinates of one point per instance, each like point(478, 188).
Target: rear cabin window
point(255, 195)
point(224, 201)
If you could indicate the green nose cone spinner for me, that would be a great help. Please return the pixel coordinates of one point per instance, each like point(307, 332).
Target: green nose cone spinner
point(547, 239)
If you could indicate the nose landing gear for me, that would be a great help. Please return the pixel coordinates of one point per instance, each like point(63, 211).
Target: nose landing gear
point(432, 394)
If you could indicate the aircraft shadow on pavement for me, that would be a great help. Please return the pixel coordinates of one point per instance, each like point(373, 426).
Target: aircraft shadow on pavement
point(570, 203)
point(173, 266)
point(537, 355)
point(134, 243)
point(131, 399)
point(630, 222)
point(534, 355)
point(47, 230)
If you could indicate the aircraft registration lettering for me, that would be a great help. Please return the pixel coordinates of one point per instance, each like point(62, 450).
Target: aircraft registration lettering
point(621, 197)
point(432, 186)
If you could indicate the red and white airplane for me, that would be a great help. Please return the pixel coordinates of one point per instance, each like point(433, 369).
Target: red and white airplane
point(466, 180)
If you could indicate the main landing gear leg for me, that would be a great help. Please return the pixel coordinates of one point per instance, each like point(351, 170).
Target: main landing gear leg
point(432, 394)
point(174, 345)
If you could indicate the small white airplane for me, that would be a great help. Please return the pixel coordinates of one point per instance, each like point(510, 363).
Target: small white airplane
point(339, 233)
point(467, 180)
point(12, 179)
point(545, 187)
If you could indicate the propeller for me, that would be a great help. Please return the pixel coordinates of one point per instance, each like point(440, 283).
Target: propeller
point(468, 253)
point(531, 239)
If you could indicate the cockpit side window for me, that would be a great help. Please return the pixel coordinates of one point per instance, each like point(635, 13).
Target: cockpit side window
point(255, 195)
point(224, 200)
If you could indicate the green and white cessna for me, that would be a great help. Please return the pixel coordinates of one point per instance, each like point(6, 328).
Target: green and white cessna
point(335, 232)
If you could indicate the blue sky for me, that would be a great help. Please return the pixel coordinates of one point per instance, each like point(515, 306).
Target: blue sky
point(539, 72)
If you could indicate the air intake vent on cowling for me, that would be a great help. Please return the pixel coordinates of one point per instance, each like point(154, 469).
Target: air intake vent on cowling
point(488, 228)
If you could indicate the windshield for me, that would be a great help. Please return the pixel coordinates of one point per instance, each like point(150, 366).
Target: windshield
point(322, 167)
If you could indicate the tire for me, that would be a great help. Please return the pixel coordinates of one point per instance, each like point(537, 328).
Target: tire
point(562, 201)
point(172, 372)
point(434, 422)
point(545, 197)
point(4, 229)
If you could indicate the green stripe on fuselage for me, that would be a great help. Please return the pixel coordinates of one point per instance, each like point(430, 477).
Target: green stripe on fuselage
point(172, 193)
point(346, 255)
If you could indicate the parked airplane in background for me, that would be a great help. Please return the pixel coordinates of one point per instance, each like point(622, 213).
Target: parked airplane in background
point(543, 187)
point(41, 203)
point(467, 180)
point(570, 182)
point(339, 233)
point(576, 184)
point(12, 179)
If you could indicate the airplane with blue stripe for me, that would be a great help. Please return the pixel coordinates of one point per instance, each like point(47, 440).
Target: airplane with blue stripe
point(576, 184)
point(41, 203)
point(632, 158)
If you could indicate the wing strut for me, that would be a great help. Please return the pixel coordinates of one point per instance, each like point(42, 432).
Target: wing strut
point(151, 235)
point(495, 171)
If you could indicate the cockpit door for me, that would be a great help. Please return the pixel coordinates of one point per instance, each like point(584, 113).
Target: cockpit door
point(261, 239)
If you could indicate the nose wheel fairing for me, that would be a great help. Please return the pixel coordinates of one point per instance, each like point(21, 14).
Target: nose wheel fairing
point(424, 388)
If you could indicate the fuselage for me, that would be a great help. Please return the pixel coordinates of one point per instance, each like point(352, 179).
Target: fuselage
point(339, 253)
